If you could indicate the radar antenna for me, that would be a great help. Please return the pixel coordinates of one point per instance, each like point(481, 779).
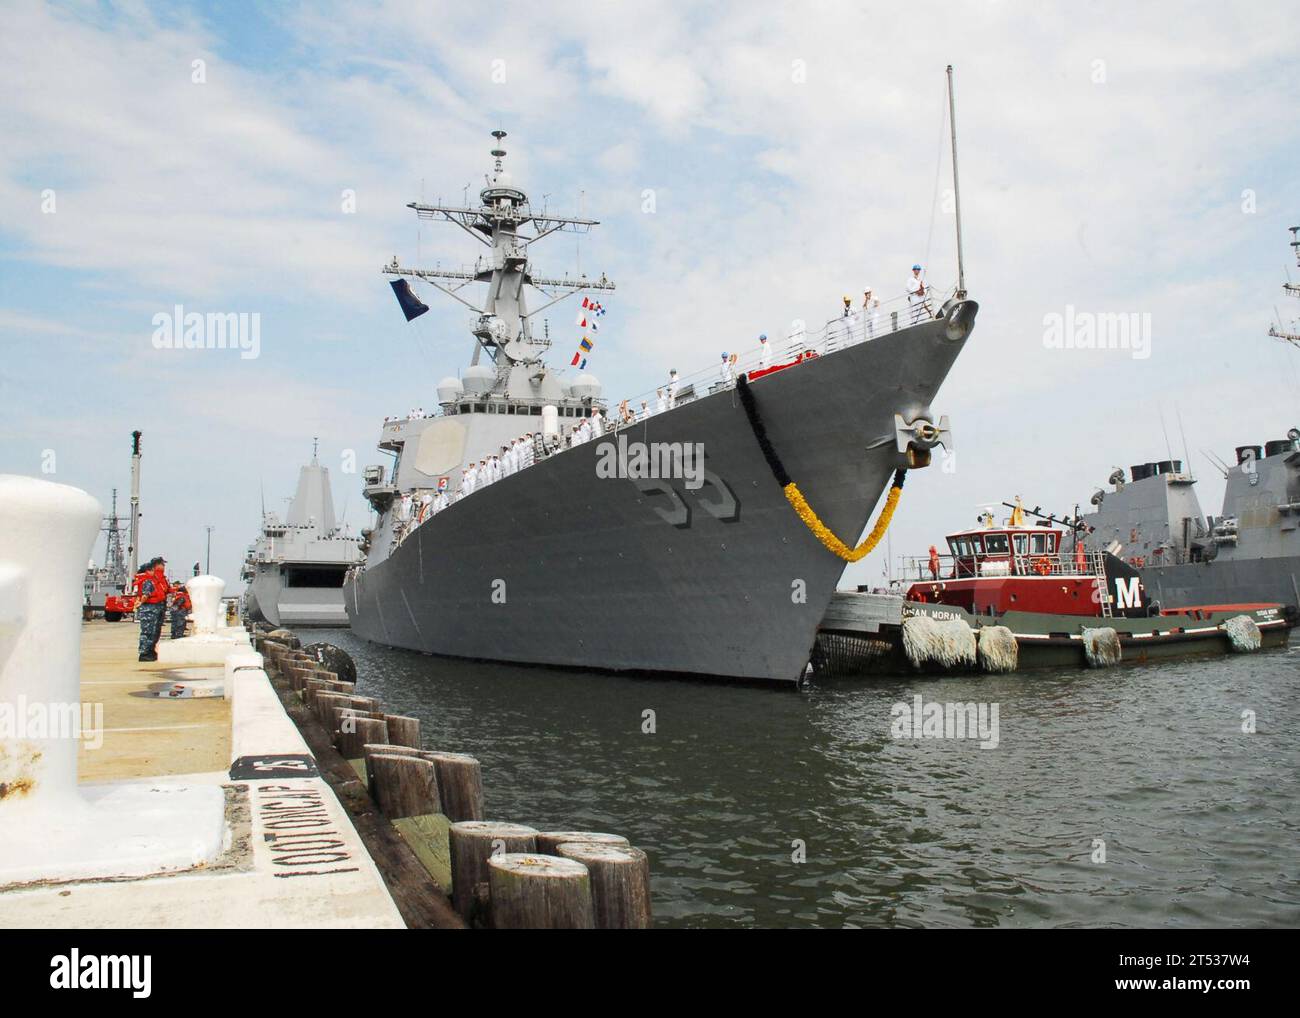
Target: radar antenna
point(1291, 289)
point(498, 222)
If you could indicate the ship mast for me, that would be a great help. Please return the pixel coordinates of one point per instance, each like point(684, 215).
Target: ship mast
point(956, 187)
point(114, 566)
point(1292, 290)
point(503, 329)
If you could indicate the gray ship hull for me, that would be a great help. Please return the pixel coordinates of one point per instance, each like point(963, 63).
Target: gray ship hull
point(268, 600)
point(555, 565)
point(1225, 581)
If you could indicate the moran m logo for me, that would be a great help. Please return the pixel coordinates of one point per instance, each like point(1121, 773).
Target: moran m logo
point(1128, 592)
point(74, 971)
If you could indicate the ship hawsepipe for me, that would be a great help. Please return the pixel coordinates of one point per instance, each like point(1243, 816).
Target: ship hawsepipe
point(553, 565)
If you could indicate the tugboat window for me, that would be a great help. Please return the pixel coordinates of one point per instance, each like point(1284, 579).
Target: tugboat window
point(995, 544)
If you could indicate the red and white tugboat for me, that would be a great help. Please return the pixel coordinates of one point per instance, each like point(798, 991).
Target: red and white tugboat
point(1013, 596)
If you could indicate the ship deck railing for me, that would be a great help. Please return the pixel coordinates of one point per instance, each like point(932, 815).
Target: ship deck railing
point(916, 568)
point(838, 333)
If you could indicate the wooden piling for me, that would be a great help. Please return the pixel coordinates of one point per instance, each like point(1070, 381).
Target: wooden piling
point(404, 786)
point(403, 730)
point(314, 686)
point(549, 841)
point(325, 702)
point(620, 883)
point(472, 843)
point(354, 732)
point(460, 782)
point(539, 892)
point(375, 749)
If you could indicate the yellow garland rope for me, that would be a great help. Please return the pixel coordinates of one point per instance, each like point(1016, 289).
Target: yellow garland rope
point(805, 512)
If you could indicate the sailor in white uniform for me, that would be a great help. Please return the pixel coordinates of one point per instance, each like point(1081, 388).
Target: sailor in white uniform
point(870, 313)
point(917, 300)
point(597, 424)
point(661, 401)
point(673, 386)
point(764, 352)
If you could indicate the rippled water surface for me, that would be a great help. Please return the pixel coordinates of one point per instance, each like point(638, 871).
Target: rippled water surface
point(1199, 820)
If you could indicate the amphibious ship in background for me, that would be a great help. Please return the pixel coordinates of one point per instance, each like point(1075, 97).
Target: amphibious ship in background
point(295, 569)
point(555, 563)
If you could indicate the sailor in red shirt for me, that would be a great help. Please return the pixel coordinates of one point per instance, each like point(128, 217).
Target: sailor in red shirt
point(181, 606)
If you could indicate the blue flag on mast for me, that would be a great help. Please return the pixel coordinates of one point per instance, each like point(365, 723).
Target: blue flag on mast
point(412, 306)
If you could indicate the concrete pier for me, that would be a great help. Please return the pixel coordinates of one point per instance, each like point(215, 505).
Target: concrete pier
point(290, 858)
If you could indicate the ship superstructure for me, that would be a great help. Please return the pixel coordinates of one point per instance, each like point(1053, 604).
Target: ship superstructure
point(1248, 553)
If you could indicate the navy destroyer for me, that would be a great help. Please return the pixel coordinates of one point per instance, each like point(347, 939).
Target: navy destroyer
point(501, 534)
point(1248, 554)
point(295, 568)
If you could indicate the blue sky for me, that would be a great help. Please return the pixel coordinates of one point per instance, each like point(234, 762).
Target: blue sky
point(1106, 156)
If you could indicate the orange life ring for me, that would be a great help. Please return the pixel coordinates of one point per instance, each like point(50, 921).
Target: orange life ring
point(1041, 566)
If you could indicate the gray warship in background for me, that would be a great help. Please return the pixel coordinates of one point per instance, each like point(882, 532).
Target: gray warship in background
point(1248, 554)
point(295, 568)
point(556, 565)
point(110, 579)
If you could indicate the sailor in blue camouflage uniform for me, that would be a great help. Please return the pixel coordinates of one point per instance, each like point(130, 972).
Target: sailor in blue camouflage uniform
point(152, 589)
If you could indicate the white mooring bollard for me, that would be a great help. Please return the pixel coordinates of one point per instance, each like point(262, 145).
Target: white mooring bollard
point(212, 641)
point(50, 828)
point(205, 596)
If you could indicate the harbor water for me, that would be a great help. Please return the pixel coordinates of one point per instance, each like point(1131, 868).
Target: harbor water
point(772, 808)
